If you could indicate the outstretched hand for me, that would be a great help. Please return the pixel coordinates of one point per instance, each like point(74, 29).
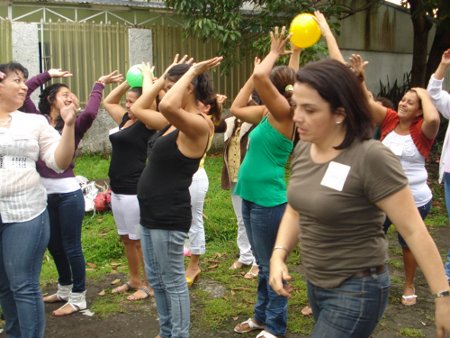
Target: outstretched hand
point(59, 73)
point(357, 65)
point(323, 24)
point(203, 66)
point(113, 77)
point(278, 40)
point(184, 59)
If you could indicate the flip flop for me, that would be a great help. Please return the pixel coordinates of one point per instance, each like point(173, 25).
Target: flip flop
point(409, 300)
point(252, 273)
point(144, 292)
point(124, 288)
point(248, 326)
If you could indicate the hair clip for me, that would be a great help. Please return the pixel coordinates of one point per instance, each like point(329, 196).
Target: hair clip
point(289, 88)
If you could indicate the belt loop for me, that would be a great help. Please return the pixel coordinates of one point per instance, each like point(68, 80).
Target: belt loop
point(373, 272)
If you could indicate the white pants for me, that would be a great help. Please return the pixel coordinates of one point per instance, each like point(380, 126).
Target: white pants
point(198, 190)
point(245, 251)
point(125, 209)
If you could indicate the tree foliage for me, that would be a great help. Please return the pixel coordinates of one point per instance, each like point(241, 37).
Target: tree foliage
point(241, 27)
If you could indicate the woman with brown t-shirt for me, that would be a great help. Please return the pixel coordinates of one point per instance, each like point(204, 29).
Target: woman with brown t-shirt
point(342, 181)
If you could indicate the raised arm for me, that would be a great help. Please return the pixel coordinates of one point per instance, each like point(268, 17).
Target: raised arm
point(439, 97)
point(142, 108)
point(294, 59)
point(88, 115)
point(275, 102)
point(172, 106)
point(240, 107)
point(112, 102)
point(402, 211)
point(333, 48)
point(37, 81)
point(431, 120)
point(66, 147)
point(358, 65)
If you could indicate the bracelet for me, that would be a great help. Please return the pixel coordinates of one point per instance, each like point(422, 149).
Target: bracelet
point(279, 247)
point(442, 294)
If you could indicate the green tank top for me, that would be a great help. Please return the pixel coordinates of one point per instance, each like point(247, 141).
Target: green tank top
point(261, 177)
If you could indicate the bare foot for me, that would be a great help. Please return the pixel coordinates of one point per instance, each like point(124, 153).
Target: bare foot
point(53, 299)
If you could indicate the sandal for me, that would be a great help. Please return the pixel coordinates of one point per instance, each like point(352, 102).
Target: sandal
point(61, 295)
point(266, 334)
point(252, 273)
point(124, 288)
point(142, 293)
point(77, 302)
point(409, 300)
point(248, 326)
point(190, 281)
point(236, 265)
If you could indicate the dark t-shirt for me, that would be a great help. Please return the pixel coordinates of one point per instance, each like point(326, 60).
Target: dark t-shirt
point(129, 151)
point(341, 226)
point(163, 189)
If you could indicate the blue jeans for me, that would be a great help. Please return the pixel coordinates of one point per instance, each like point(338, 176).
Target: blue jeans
point(164, 266)
point(352, 309)
point(261, 224)
point(423, 211)
point(22, 247)
point(66, 213)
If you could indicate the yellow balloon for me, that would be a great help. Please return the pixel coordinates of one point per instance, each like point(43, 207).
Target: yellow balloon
point(305, 30)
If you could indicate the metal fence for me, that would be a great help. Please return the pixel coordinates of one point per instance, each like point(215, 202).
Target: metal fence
point(88, 50)
point(5, 38)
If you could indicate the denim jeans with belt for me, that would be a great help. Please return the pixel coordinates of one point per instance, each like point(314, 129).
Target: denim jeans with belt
point(352, 309)
point(262, 225)
point(66, 211)
point(164, 266)
point(22, 247)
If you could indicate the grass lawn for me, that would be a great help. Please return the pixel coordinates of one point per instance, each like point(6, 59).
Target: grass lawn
point(104, 255)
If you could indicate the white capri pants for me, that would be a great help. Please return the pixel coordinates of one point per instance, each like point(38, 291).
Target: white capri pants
point(125, 209)
point(198, 190)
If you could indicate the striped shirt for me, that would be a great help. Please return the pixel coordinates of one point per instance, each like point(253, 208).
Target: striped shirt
point(28, 138)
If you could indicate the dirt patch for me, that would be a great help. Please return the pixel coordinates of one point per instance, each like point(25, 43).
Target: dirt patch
point(139, 319)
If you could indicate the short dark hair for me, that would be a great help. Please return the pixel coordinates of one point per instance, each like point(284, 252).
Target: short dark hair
point(13, 67)
point(337, 85)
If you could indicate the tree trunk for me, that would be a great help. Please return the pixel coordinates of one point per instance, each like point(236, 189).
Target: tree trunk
point(421, 27)
point(441, 41)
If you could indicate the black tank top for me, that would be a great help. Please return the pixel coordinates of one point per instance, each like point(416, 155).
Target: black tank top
point(128, 156)
point(163, 189)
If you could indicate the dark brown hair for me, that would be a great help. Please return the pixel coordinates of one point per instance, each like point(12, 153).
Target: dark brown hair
point(337, 85)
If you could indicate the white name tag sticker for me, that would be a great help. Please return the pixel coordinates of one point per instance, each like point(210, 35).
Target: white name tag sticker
point(113, 131)
point(335, 176)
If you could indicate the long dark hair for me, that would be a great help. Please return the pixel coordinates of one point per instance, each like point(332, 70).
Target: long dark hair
point(47, 98)
point(203, 89)
point(337, 85)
